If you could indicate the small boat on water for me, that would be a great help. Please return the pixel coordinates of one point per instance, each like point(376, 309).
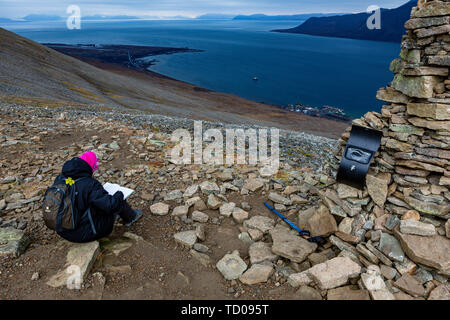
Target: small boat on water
point(255, 78)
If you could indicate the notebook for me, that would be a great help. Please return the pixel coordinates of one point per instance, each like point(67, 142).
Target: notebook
point(112, 188)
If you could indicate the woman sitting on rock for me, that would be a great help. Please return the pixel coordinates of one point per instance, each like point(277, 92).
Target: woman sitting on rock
point(97, 222)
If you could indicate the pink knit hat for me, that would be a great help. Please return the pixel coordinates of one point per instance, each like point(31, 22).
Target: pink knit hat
point(91, 158)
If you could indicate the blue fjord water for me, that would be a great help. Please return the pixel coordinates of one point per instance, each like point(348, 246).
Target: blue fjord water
point(291, 68)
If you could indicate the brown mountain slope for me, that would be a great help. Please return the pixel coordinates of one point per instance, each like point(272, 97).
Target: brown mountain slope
point(32, 72)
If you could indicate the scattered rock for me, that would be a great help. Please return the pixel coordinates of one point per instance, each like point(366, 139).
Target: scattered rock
point(180, 211)
point(388, 272)
point(231, 266)
point(344, 191)
point(260, 251)
point(410, 285)
point(441, 292)
point(209, 187)
point(159, 209)
point(411, 215)
point(322, 223)
point(227, 209)
point(200, 232)
point(307, 293)
point(291, 246)
point(316, 258)
point(430, 251)
point(378, 189)
point(190, 191)
point(173, 195)
point(299, 279)
point(200, 248)
point(147, 196)
point(213, 202)
point(200, 216)
point(373, 282)
point(253, 184)
point(245, 237)
point(204, 259)
point(390, 246)
point(261, 223)
point(239, 215)
point(13, 242)
point(334, 273)
point(256, 235)
point(133, 236)
point(347, 293)
point(275, 197)
point(411, 226)
point(114, 145)
point(186, 238)
point(257, 273)
point(447, 228)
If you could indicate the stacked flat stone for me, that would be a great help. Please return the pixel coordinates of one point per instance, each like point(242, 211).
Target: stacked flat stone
point(406, 201)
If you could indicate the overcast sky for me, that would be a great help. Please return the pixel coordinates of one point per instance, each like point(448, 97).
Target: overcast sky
point(21, 8)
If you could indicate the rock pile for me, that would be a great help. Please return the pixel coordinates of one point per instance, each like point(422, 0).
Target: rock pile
point(400, 219)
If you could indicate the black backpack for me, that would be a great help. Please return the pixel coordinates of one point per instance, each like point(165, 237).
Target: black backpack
point(58, 206)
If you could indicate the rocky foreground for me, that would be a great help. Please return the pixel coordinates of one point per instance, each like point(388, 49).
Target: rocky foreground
point(209, 218)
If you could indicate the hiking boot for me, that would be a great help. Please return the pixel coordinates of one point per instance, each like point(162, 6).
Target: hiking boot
point(136, 218)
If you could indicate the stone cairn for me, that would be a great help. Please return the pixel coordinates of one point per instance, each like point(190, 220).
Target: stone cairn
point(401, 218)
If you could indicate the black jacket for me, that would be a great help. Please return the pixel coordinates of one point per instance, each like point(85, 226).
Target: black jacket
point(91, 195)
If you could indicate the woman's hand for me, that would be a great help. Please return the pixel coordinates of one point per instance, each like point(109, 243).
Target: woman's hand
point(119, 195)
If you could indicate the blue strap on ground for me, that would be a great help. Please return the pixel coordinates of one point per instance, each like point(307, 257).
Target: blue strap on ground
point(319, 240)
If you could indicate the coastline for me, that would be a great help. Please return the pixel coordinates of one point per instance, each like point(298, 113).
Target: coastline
point(53, 79)
point(138, 58)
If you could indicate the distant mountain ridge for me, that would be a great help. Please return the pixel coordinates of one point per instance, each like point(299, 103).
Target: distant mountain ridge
point(207, 16)
point(215, 16)
point(303, 16)
point(354, 26)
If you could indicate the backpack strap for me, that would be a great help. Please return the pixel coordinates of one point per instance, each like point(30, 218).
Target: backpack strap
point(59, 217)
